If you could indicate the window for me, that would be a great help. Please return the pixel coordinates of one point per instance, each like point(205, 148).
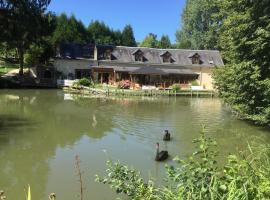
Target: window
point(195, 59)
point(107, 54)
point(139, 56)
point(167, 57)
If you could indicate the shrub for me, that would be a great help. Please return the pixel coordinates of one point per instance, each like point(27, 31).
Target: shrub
point(176, 87)
point(199, 177)
point(85, 82)
point(194, 83)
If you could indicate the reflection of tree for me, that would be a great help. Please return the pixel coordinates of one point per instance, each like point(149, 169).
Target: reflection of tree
point(32, 127)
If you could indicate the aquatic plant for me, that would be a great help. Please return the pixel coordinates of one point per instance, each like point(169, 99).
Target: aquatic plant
point(28, 193)
point(246, 176)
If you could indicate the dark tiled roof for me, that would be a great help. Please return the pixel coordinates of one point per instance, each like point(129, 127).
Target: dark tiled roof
point(121, 54)
point(180, 56)
point(73, 51)
point(150, 70)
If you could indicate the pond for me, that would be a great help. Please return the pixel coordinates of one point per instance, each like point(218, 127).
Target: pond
point(41, 132)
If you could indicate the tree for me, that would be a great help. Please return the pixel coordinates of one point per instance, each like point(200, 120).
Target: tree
point(69, 29)
point(165, 42)
point(128, 38)
point(100, 33)
point(150, 41)
point(199, 25)
point(244, 39)
point(117, 37)
point(23, 23)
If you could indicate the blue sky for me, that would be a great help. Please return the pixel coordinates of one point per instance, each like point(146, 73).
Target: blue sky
point(145, 16)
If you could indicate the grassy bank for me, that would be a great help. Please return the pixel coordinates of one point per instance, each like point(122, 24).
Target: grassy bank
point(6, 68)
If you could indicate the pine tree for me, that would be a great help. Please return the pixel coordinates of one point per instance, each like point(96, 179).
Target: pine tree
point(128, 38)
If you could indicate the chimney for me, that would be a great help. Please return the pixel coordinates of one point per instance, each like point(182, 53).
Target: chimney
point(95, 53)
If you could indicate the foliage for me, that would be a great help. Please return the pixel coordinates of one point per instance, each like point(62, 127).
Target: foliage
point(101, 33)
point(240, 86)
point(85, 82)
point(69, 29)
point(244, 40)
point(195, 83)
point(241, 30)
point(24, 23)
point(5, 68)
point(199, 177)
point(176, 87)
point(150, 41)
point(28, 193)
point(127, 181)
point(128, 38)
point(200, 26)
point(165, 42)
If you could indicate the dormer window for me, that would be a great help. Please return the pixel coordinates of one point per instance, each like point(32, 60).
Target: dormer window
point(195, 59)
point(139, 56)
point(108, 54)
point(167, 57)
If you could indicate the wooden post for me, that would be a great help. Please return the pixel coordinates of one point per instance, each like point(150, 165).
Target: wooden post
point(101, 78)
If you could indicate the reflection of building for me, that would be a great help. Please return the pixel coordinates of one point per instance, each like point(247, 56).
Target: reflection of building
point(145, 66)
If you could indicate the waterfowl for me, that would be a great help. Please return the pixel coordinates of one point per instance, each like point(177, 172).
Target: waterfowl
point(162, 155)
point(167, 136)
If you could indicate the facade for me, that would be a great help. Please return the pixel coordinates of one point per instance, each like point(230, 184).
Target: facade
point(141, 66)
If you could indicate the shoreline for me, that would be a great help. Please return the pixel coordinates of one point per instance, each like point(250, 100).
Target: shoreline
point(106, 92)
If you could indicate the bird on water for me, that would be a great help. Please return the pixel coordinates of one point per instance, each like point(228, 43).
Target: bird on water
point(167, 136)
point(161, 155)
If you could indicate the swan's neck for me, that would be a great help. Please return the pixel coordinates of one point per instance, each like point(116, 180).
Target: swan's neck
point(157, 150)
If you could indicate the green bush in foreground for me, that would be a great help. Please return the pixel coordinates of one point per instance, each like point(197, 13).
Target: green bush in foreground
point(199, 177)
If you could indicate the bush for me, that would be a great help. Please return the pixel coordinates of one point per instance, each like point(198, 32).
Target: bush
point(194, 83)
point(199, 176)
point(85, 82)
point(176, 87)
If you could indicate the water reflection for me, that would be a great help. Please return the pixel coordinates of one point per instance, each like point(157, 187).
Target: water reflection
point(41, 131)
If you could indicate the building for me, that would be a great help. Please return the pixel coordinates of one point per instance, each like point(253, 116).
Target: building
point(141, 66)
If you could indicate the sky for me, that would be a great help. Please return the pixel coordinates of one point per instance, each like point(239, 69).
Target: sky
point(145, 16)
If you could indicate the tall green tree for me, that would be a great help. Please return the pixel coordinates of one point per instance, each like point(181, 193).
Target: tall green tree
point(244, 39)
point(69, 29)
point(200, 23)
point(128, 38)
point(23, 23)
point(165, 42)
point(150, 41)
point(100, 33)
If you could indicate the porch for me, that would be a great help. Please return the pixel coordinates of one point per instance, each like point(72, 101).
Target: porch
point(138, 76)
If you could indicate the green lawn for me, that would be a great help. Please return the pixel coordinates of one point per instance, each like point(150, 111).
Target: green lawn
point(5, 68)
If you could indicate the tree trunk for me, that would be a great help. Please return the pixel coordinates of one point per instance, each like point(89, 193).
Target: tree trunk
point(21, 58)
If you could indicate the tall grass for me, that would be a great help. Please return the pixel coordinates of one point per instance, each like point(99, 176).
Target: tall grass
point(243, 177)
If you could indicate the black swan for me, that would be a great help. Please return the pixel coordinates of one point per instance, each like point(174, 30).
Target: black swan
point(160, 156)
point(167, 136)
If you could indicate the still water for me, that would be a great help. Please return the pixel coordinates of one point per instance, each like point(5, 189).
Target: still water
point(41, 132)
